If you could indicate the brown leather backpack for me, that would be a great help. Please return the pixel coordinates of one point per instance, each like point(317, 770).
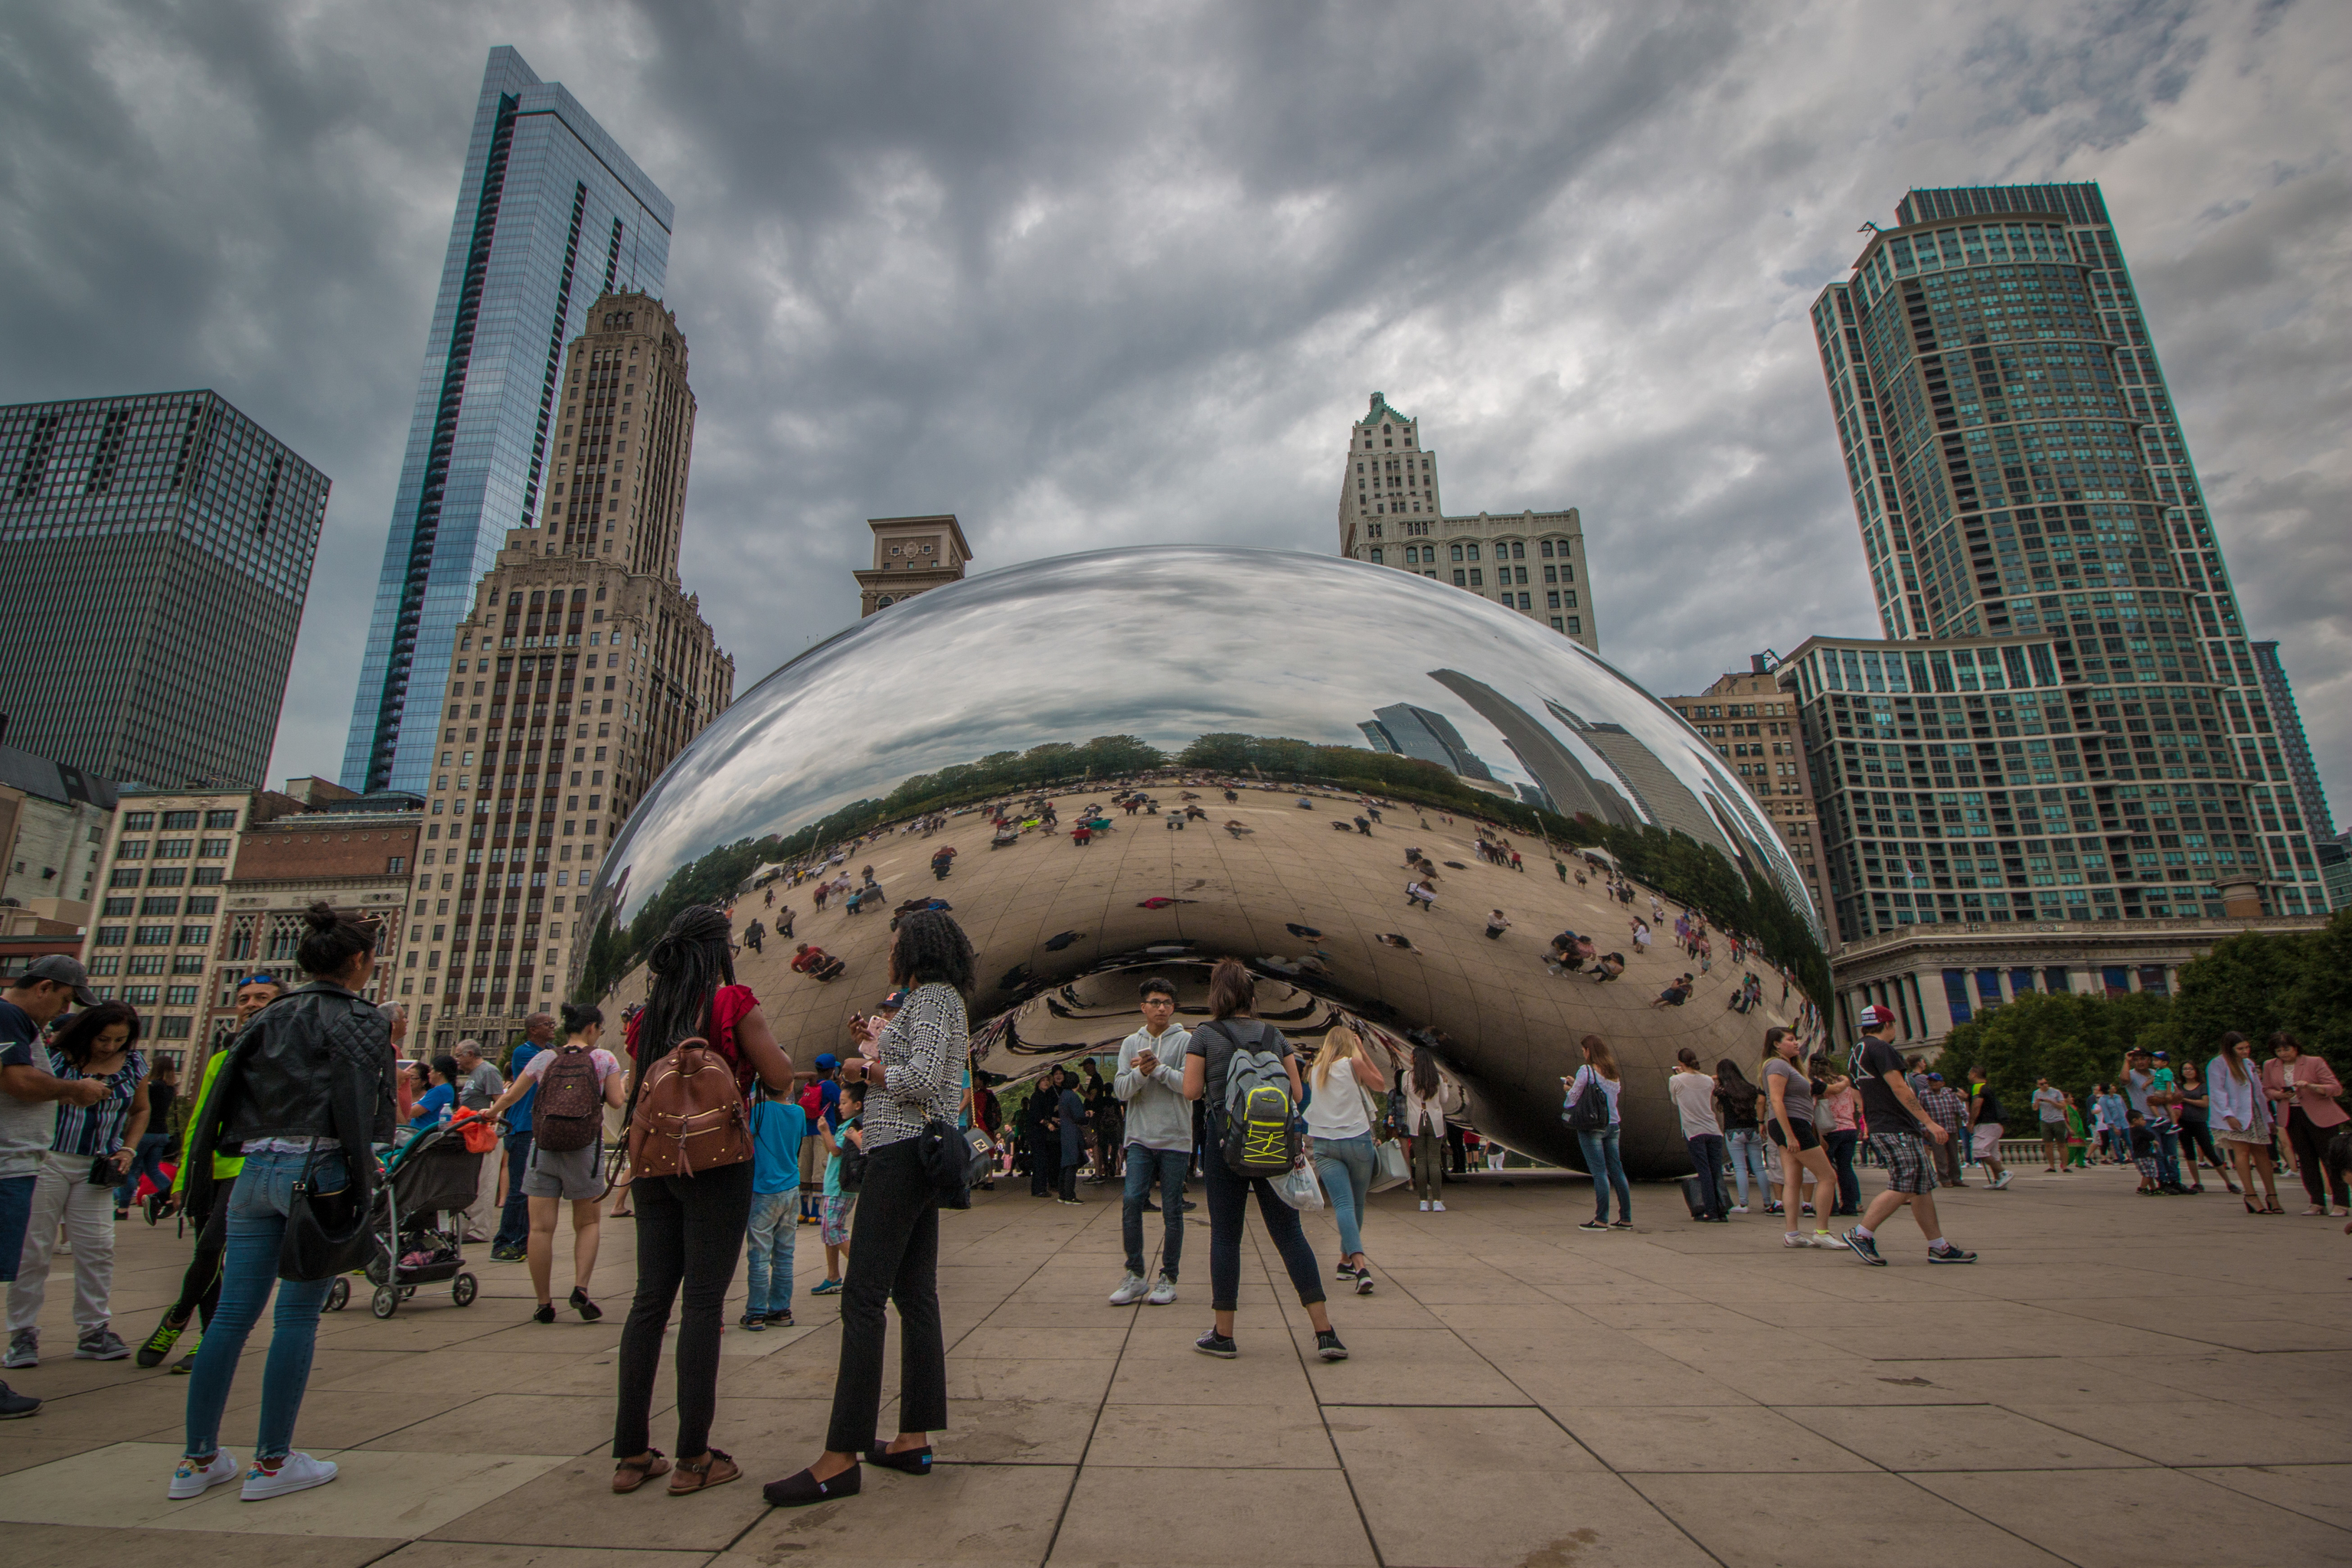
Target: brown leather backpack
point(689, 1116)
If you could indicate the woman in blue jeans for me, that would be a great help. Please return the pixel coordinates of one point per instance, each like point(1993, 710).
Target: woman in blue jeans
point(1601, 1160)
point(1735, 1105)
point(1340, 1121)
point(306, 1090)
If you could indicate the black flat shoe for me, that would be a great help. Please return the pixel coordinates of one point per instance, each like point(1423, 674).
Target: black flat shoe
point(913, 1461)
point(545, 1314)
point(589, 1311)
point(801, 1488)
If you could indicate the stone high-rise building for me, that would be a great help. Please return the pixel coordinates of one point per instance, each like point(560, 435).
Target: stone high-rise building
point(583, 669)
point(2017, 469)
point(203, 887)
point(1390, 515)
point(910, 554)
point(551, 214)
point(1752, 725)
point(159, 550)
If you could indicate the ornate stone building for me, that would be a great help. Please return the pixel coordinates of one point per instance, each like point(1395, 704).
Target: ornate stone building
point(910, 554)
point(582, 670)
point(1392, 514)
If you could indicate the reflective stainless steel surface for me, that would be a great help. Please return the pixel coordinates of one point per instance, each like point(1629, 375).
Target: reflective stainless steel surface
point(1159, 648)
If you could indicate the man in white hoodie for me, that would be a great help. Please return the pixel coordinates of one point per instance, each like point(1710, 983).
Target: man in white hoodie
point(1151, 1084)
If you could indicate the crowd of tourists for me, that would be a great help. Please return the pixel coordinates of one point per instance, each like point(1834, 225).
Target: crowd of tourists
point(720, 1147)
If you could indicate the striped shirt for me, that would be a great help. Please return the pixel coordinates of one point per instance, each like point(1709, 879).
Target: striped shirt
point(924, 1052)
point(96, 1130)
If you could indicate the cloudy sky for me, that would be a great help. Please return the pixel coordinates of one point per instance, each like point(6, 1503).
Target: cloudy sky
point(1091, 275)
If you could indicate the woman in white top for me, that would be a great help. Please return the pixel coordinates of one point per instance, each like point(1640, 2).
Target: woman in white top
point(1601, 1158)
point(1339, 1119)
point(2239, 1117)
point(1424, 1121)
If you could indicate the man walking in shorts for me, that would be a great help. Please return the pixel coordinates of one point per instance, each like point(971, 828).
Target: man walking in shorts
point(1899, 1131)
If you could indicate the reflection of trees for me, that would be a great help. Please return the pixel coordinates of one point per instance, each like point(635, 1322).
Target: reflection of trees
point(1673, 863)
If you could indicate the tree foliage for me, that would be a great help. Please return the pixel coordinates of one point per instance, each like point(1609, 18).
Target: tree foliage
point(1676, 865)
point(2256, 982)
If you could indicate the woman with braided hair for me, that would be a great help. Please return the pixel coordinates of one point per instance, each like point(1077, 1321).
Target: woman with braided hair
point(689, 1228)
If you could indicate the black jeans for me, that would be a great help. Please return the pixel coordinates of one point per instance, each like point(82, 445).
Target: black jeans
point(1707, 1152)
point(689, 1236)
point(200, 1286)
point(1840, 1145)
point(1045, 1163)
point(2310, 1146)
point(1228, 1207)
point(1067, 1181)
point(896, 1255)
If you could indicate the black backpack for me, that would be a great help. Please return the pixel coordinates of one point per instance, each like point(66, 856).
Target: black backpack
point(1589, 1112)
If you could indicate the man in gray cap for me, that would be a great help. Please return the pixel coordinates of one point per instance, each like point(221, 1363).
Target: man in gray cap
point(29, 1096)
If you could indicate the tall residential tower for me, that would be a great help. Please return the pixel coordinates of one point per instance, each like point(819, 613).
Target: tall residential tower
point(2018, 470)
point(550, 215)
point(159, 550)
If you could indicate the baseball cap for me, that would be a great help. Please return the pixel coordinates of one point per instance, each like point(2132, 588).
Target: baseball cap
point(826, 1061)
point(1874, 1016)
point(1935, 1078)
point(60, 969)
point(896, 1000)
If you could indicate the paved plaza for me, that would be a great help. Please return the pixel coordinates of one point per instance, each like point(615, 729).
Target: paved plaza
point(2121, 1382)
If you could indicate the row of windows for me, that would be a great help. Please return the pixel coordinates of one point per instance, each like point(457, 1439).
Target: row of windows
point(175, 821)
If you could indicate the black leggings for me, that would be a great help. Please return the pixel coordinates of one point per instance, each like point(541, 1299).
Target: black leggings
point(1228, 1207)
point(200, 1285)
point(2197, 1138)
point(690, 1235)
point(896, 1255)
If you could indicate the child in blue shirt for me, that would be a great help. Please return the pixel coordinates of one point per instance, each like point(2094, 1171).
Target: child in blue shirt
point(778, 1125)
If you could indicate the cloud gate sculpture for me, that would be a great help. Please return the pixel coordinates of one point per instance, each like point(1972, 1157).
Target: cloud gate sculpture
point(1253, 698)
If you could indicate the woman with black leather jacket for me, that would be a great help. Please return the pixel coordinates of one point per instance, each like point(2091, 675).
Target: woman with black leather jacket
point(305, 1093)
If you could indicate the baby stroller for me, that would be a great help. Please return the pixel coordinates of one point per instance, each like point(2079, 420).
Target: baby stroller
point(428, 1181)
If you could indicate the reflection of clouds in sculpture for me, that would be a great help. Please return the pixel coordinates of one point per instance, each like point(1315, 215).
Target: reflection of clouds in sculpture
point(1170, 643)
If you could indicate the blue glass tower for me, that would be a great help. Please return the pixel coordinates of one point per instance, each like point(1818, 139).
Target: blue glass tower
point(550, 215)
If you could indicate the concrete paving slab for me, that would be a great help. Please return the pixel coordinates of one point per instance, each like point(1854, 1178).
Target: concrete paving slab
point(1519, 1392)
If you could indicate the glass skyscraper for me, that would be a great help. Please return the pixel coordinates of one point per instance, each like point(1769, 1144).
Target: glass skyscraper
point(550, 215)
point(158, 549)
point(2017, 469)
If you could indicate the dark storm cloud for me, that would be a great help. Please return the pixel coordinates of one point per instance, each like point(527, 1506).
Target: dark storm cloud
point(1092, 276)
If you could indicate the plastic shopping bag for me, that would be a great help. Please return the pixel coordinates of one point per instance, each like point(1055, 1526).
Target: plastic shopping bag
point(1298, 1188)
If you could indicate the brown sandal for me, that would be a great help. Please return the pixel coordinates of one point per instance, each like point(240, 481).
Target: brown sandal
point(716, 1469)
point(631, 1474)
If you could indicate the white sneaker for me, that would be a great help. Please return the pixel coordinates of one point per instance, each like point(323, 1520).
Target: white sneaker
point(1130, 1291)
point(1740, 1208)
point(1437, 1207)
point(25, 1346)
point(1424, 1208)
point(2001, 1182)
point(1829, 1239)
point(299, 1472)
point(1162, 1293)
point(189, 1481)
